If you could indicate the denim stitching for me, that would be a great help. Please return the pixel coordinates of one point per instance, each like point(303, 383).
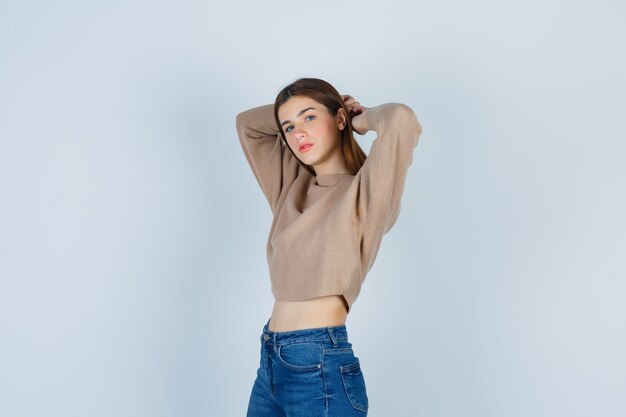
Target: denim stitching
point(350, 367)
point(302, 368)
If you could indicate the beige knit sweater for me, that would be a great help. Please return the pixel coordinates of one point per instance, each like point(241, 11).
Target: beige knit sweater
point(327, 229)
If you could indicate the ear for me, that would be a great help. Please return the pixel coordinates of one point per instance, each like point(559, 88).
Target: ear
point(342, 120)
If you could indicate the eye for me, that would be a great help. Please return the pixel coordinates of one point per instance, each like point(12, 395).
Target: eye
point(310, 115)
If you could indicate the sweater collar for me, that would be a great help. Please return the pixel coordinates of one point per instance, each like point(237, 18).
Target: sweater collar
point(328, 180)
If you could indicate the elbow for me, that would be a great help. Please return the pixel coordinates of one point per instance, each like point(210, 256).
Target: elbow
point(240, 120)
point(409, 119)
point(244, 117)
point(244, 121)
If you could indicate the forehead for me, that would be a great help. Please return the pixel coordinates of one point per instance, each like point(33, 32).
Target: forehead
point(289, 110)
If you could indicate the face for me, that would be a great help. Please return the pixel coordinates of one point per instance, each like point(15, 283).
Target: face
point(307, 122)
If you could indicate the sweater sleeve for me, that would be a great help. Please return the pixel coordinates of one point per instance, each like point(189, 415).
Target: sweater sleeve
point(384, 171)
point(274, 166)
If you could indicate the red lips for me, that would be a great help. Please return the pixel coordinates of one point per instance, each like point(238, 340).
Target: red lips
point(305, 146)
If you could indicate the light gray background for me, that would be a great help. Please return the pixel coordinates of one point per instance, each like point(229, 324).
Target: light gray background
point(133, 277)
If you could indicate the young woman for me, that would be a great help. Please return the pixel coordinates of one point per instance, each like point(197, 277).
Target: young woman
point(331, 205)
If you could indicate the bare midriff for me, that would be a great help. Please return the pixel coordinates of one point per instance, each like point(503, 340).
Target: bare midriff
point(325, 311)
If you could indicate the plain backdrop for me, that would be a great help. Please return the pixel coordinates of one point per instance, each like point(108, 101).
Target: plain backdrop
point(133, 277)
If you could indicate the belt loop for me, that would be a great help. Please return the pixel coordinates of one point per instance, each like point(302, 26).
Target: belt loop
point(274, 342)
point(332, 336)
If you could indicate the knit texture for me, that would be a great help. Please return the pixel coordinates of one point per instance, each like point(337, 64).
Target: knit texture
point(327, 229)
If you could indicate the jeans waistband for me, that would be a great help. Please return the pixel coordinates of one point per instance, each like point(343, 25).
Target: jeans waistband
point(317, 334)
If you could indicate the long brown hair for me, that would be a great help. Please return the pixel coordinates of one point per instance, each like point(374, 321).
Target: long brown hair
point(325, 94)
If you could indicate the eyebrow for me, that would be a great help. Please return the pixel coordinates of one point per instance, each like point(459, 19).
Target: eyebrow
point(299, 114)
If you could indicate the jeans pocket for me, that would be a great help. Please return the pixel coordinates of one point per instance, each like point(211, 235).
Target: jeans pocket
point(354, 384)
point(301, 356)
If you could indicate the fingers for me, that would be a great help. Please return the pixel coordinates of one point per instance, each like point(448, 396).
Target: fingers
point(355, 108)
point(348, 100)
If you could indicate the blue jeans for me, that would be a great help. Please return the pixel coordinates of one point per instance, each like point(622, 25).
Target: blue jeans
point(308, 373)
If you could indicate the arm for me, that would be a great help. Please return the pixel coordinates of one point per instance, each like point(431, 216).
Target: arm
point(272, 164)
point(384, 172)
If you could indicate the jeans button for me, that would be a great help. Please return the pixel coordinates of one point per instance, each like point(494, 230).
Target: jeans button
point(265, 337)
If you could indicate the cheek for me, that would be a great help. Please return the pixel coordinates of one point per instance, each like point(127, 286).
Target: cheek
point(330, 133)
point(332, 130)
point(292, 143)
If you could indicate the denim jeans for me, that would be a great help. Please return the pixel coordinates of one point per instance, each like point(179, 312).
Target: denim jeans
point(308, 373)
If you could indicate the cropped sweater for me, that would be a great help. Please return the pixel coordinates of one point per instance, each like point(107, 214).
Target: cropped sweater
point(327, 229)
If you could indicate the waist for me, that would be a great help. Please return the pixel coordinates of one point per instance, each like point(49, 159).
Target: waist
point(315, 313)
point(327, 335)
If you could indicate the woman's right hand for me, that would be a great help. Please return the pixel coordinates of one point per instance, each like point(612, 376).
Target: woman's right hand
point(356, 112)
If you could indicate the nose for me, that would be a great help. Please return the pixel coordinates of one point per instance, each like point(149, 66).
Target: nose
point(298, 132)
point(300, 135)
